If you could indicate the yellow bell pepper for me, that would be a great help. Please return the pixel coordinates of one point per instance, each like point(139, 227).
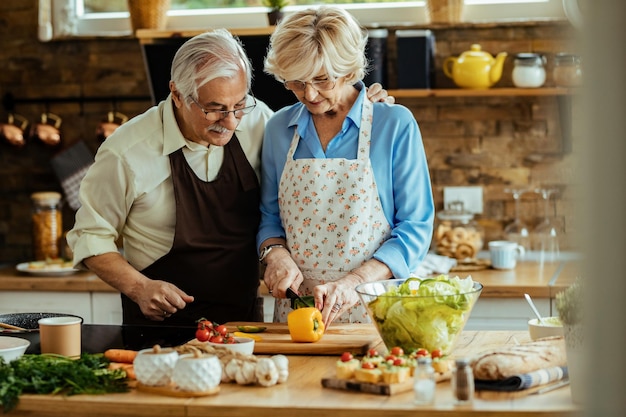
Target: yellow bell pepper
point(305, 324)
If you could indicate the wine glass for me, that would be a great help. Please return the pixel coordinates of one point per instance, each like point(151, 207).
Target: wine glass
point(546, 234)
point(517, 231)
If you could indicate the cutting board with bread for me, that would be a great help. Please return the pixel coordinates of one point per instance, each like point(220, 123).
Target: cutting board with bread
point(519, 370)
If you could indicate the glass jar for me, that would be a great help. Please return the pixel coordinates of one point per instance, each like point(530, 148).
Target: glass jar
point(567, 70)
point(462, 381)
point(529, 71)
point(47, 225)
point(457, 235)
point(424, 382)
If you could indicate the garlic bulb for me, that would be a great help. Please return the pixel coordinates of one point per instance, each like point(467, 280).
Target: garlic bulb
point(246, 373)
point(266, 372)
point(231, 369)
point(282, 366)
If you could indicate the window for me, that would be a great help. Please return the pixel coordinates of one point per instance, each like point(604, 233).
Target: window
point(66, 18)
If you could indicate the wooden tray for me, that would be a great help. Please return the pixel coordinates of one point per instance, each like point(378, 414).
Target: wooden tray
point(379, 388)
point(174, 391)
point(338, 338)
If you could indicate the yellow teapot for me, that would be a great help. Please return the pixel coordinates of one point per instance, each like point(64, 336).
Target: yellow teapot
point(474, 68)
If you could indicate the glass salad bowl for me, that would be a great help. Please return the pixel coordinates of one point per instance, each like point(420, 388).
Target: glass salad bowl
point(419, 313)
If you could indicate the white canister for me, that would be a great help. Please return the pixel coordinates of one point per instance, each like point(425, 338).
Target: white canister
point(199, 373)
point(154, 366)
point(529, 70)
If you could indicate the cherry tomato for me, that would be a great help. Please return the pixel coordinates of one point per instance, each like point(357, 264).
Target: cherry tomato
point(372, 352)
point(397, 350)
point(421, 352)
point(229, 340)
point(221, 329)
point(391, 358)
point(436, 353)
point(203, 334)
point(217, 339)
point(346, 357)
point(398, 362)
point(368, 365)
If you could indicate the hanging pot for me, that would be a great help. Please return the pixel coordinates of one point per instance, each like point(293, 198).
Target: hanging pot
point(47, 130)
point(108, 126)
point(13, 130)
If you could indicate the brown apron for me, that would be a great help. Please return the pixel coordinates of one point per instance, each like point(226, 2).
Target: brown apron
point(213, 256)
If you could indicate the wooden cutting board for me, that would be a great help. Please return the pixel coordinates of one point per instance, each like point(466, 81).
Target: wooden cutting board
point(338, 338)
point(379, 388)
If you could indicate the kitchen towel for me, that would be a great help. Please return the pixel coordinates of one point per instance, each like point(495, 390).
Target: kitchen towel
point(434, 264)
point(524, 381)
point(70, 167)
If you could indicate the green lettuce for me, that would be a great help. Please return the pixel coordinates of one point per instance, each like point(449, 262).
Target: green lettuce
point(428, 313)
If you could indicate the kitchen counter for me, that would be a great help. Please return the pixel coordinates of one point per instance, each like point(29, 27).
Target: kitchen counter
point(528, 277)
point(302, 395)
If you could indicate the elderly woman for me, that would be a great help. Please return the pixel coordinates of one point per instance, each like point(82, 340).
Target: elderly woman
point(346, 195)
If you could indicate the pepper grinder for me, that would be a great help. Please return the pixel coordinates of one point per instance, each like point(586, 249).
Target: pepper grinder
point(463, 381)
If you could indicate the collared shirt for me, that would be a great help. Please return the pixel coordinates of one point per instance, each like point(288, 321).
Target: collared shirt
point(128, 190)
point(399, 165)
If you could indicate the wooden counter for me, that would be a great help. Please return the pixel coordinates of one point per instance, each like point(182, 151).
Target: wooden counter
point(303, 395)
point(528, 277)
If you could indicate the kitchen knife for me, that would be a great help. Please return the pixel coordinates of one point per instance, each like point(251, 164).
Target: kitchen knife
point(293, 296)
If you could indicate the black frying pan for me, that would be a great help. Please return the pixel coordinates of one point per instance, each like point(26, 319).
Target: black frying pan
point(28, 321)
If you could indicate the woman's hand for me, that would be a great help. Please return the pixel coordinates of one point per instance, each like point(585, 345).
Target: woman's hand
point(335, 298)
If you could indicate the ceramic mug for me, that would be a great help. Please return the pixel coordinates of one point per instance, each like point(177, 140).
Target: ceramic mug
point(504, 254)
point(60, 335)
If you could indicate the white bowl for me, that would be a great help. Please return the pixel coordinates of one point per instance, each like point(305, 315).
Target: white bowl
point(244, 345)
point(12, 348)
point(154, 367)
point(551, 327)
point(197, 373)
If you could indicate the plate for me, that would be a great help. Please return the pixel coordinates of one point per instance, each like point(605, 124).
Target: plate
point(45, 270)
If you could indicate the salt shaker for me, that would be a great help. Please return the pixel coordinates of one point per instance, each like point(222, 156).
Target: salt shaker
point(463, 381)
point(425, 383)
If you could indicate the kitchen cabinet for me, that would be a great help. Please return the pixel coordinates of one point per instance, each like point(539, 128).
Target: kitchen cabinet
point(106, 308)
point(76, 303)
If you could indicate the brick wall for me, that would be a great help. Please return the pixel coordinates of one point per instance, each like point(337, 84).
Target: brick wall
point(491, 142)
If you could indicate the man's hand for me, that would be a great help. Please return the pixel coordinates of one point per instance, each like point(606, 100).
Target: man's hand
point(376, 92)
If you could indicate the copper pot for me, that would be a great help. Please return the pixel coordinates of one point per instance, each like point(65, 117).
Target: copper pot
point(47, 130)
point(108, 126)
point(13, 130)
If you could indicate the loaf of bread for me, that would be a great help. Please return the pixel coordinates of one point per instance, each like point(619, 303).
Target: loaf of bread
point(498, 364)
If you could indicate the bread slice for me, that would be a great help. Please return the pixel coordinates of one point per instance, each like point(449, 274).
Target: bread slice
point(345, 370)
point(368, 375)
point(396, 374)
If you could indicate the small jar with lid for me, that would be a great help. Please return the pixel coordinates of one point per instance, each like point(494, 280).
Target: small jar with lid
point(567, 70)
point(47, 225)
point(462, 381)
point(457, 235)
point(529, 70)
point(424, 382)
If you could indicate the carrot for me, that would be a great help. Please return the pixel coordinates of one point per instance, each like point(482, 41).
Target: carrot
point(120, 355)
point(129, 368)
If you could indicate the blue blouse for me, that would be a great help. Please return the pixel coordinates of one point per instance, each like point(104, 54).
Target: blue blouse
point(400, 170)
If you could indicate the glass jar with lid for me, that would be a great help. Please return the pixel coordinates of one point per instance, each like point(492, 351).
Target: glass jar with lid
point(457, 235)
point(47, 225)
point(567, 70)
point(529, 70)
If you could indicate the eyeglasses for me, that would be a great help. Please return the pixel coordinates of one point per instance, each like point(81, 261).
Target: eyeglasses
point(215, 115)
point(319, 85)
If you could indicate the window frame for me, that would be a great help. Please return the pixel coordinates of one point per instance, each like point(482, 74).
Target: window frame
point(60, 19)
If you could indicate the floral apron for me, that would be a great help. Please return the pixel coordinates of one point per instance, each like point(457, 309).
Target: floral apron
point(332, 217)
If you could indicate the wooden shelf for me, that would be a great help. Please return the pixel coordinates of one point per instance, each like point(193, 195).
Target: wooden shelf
point(488, 92)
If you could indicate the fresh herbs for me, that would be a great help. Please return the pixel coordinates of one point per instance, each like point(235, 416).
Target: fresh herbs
point(54, 374)
point(569, 303)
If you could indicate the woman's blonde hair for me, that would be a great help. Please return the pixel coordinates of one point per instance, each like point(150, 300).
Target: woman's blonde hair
point(325, 39)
